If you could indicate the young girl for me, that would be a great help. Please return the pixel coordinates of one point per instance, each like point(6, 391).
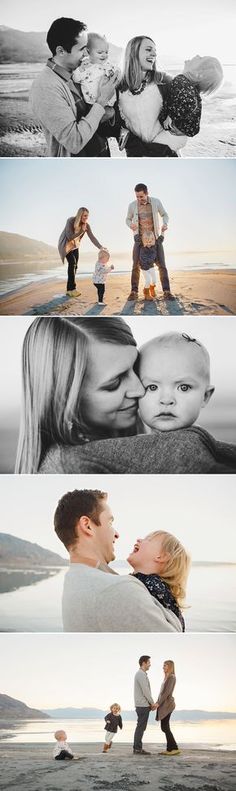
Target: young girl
point(89, 74)
point(113, 721)
point(182, 109)
point(162, 564)
point(101, 272)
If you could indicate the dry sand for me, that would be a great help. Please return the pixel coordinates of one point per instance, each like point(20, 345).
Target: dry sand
point(29, 767)
point(202, 292)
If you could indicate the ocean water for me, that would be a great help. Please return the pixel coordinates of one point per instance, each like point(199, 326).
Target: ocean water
point(216, 734)
point(17, 275)
point(211, 602)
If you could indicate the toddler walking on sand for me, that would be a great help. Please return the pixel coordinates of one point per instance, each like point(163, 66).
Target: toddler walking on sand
point(175, 372)
point(100, 273)
point(162, 564)
point(113, 721)
point(62, 751)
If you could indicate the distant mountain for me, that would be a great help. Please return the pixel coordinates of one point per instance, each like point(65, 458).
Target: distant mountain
point(16, 552)
point(191, 715)
point(18, 46)
point(14, 247)
point(12, 709)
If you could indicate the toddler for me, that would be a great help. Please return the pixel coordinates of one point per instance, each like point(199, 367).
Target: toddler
point(147, 261)
point(100, 273)
point(175, 372)
point(62, 751)
point(182, 113)
point(89, 74)
point(113, 721)
point(161, 563)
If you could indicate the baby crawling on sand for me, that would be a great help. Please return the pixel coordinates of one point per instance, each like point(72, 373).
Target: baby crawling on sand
point(175, 371)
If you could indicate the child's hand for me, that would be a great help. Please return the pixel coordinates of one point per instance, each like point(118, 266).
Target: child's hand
point(167, 123)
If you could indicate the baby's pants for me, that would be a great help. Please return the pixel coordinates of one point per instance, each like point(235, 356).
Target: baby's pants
point(64, 756)
point(109, 737)
point(149, 277)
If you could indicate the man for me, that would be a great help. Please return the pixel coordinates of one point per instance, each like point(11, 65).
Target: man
point(143, 702)
point(143, 215)
point(95, 598)
point(70, 127)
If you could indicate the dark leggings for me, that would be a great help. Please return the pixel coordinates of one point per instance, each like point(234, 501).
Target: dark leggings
point(101, 290)
point(72, 259)
point(64, 756)
point(165, 727)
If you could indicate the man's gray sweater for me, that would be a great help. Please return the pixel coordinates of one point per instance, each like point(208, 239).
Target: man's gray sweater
point(142, 689)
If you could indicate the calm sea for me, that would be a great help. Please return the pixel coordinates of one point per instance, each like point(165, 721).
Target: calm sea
point(211, 602)
point(217, 734)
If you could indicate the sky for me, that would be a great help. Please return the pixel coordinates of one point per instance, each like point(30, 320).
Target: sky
point(38, 195)
point(197, 511)
point(92, 670)
point(180, 30)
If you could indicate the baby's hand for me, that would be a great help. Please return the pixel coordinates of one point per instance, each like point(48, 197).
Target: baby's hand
point(168, 122)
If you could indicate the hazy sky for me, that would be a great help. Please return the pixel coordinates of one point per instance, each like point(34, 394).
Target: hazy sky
point(179, 29)
point(37, 196)
point(198, 512)
point(71, 665)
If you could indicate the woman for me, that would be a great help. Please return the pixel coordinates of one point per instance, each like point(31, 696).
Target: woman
point(76, 388)
point(142, 93)
point(165, 706)
point(80, 405)
point(69, 243)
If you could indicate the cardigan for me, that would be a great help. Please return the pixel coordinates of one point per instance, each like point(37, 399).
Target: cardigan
point(69, 233)
point(157, 208)
point(165, 699)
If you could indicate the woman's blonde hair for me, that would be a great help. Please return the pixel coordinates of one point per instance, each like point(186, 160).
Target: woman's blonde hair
point(175, 572)
point(132, 73)
point(54, 363)
point(170, 664)
point(211, 74)
point(78, 218)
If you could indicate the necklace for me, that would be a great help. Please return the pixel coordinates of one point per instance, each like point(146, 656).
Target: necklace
point(146, 80)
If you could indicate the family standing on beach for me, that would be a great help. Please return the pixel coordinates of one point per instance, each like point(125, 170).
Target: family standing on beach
point(144, 703)
point(143, 218)
point(82, 100)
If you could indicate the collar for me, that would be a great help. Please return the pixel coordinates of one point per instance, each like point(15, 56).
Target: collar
point(64, 74)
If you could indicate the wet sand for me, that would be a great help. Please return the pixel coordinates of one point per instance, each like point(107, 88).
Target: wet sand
point(202, 292)
point(30, 767)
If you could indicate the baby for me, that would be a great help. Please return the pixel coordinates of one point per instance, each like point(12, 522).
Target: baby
point(182, 113)
point(113, 721)
point(62, 751)
point(175, 372)
point(100, 273)
point(89, 74)
point(161, 563)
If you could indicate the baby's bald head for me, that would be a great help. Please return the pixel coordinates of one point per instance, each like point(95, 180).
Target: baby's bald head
point(190, 350)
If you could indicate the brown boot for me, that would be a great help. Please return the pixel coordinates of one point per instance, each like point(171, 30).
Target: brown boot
point(147, 295)
point(152, 290)
point(133, 296)
point(105, 747)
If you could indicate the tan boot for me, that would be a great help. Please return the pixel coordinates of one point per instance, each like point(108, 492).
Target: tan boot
point(105, 747)
point(152, 290)
point(147, 295)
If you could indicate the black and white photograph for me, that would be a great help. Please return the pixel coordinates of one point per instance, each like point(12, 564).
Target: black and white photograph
point(121, 81)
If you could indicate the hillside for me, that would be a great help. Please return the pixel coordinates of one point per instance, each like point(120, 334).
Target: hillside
point(12, 709)
point(14, 247)
point(18, 46)
point(16, 552)
point(188, 715)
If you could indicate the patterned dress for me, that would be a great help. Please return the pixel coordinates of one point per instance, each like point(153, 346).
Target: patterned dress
point(184, 106)
point(161, 591)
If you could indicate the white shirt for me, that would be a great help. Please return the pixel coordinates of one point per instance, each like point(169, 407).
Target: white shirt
point(61, 746)
point(141, 111)
point(100, 273)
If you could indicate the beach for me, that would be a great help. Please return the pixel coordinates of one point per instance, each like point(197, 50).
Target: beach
point(201, 292)
point(31, 766)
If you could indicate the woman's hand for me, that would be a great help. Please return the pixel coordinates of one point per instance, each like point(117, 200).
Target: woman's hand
point(106, 88)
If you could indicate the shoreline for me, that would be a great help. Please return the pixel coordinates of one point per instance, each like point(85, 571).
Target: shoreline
point(197, 292)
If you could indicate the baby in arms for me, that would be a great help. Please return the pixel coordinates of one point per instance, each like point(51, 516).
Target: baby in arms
point(89, 74)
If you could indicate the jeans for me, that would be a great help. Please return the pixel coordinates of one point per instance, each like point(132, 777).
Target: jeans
point(72, 259)
point(101, 290)
point(165, 727)
point(135, 275)
point(142, 714)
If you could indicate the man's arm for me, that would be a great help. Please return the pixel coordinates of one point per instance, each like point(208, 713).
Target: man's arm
point(163, 213)
point(130, 215)
point(129, 607)
point(143, 683)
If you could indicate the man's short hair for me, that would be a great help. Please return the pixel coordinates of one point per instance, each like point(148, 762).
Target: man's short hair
point(63, 32)
point(73, 505)
point(143, 659)
point(141, 188)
